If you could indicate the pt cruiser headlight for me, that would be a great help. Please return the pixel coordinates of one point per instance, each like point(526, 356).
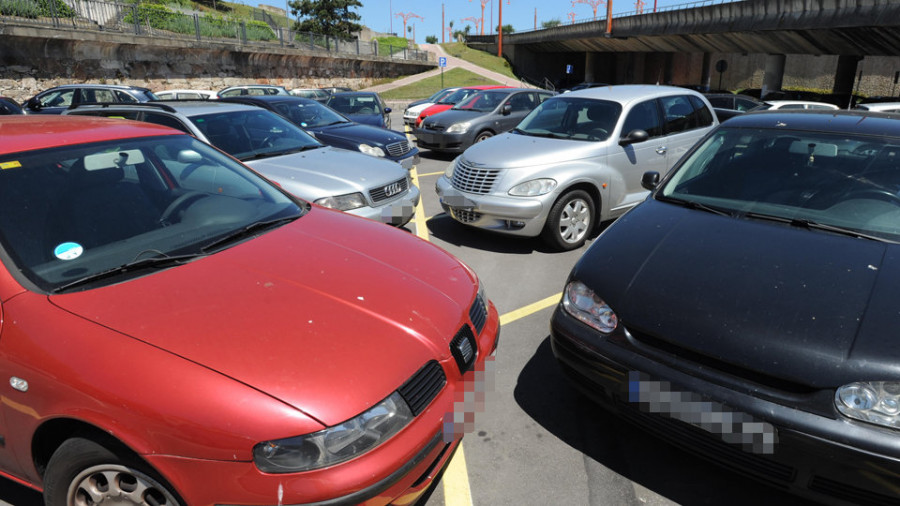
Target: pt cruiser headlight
point(335, 444)
point(582, 303)
point(371, 150)
point(343, 202)
point(459, 128)
point(876, 402)
point(448, 172)
point(533, 188)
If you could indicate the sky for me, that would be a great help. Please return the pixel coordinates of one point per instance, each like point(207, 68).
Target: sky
point(424, 16)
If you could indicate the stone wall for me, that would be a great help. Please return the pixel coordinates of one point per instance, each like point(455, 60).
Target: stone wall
point(36, 58)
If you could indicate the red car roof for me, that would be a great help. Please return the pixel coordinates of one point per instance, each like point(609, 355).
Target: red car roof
point(24, 133)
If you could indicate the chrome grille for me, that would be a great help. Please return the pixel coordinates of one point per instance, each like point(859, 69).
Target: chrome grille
point(390, 190)
point(469, 178)
point(465, 215)
point(398, 148)
point(478, 313)
point(423, 386)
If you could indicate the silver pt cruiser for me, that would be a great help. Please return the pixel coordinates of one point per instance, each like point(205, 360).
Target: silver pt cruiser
point(574, 161)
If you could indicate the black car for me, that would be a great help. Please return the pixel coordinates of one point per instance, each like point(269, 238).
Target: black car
point(735, 102)
point(57, 99)
point(333, 129)
point(365, 107)
point(481, 116)
point(747, 310)
point(9, 106)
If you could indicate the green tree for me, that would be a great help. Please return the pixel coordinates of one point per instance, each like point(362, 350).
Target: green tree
point(550, 23)
point(431, 39)
point(507, 29)
point(327, 17)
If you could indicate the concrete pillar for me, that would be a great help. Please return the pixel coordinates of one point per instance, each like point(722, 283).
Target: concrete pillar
point(668, 68)
point(589, 65)
point(706, 71)
point(774, 74)
point(845, 74)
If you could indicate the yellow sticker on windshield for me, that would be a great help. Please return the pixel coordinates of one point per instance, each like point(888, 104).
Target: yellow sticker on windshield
point(10, 165)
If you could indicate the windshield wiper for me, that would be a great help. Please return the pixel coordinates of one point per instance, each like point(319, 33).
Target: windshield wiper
point(549, 135)
point(269, 154)
point(690, 204)
point(251, 230)
point(814, 225)
point(131, 267)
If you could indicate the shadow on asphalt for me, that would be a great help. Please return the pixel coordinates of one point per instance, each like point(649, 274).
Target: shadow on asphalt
point(544, 393)
point(18, 495)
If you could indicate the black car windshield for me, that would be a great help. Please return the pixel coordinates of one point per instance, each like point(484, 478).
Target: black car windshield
point(82, 212)
point(808, 179)
point(581, 119)
point(309, 115)
point(484, 101)
point(253, 133)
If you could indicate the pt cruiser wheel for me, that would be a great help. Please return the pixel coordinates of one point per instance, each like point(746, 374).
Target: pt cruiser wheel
point(82, 472)
point(570, 221)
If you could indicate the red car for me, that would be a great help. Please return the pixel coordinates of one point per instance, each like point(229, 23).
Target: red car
point(177, 330)
point(451, 100)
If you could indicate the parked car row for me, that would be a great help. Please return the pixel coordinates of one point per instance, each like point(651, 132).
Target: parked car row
point(179, 330)
point(58, 98)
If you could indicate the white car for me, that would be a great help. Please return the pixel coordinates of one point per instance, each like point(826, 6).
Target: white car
point(186, 95)
point(771, 105)
point(413, 110)
point(891, 107)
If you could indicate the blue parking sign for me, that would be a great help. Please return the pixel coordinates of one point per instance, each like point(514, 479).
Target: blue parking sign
point(442, 61)
point(569, 69)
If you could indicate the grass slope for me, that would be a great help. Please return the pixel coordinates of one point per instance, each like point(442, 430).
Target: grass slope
point(428, 86)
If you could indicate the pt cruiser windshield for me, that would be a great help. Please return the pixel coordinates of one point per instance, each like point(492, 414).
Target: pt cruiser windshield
point(572, 118)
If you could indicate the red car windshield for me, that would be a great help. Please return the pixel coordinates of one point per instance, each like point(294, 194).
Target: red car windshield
point(72, 213)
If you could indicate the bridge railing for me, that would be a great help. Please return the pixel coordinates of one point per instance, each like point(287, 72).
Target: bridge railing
point(154, 20)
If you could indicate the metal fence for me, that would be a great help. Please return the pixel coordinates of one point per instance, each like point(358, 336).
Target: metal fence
point(153, 20)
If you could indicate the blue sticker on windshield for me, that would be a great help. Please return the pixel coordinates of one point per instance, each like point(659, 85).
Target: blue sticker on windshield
point(68, 251)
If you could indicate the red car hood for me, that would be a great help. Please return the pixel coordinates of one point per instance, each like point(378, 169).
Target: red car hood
point(330, 313)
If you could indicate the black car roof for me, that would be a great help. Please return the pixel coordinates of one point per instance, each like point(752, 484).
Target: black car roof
point(858, 122)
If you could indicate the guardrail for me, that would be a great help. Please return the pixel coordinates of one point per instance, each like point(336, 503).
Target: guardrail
point(154, 20)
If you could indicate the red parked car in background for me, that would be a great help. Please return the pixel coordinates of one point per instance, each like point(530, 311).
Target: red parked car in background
point(177, 330)
point(453, 99)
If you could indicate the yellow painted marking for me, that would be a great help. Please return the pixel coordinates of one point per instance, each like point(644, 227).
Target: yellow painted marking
point(456, 477)
point(10, 165)
point(529, 309)
point(431, 174)
point(456, 481)
point(419, 216)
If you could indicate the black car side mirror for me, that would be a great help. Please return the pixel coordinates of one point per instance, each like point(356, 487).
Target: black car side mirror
point(506, 109)
point(387, 110)
point(34, 104)
point(650, 180)
point(633, 137)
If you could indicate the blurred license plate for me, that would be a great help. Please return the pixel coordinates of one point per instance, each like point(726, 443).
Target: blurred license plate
point(731, 426)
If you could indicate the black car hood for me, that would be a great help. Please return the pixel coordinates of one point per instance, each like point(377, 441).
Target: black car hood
point(356, 132)
point(806, 306)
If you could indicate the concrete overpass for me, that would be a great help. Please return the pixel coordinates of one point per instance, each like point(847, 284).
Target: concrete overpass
point(846, 29)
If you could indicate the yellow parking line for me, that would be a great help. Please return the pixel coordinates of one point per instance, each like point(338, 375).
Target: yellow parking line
point(431, 174)
point(456, 476)
point(456, 481)
point(529, 309)
point(419, 216)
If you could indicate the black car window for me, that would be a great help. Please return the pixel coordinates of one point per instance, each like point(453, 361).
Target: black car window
point(522, 102)
point(723, 102)
point(121, 96)
point(678, 113)
point(703, 117)
point(58, 98)
point(103, 96)
point(169, 121)
point(643, 116)
point(742, 104)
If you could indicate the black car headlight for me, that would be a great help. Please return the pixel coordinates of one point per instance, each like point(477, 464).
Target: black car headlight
point(875, 402)
point(335, 444)
point(371, 150)
point(582, 303)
